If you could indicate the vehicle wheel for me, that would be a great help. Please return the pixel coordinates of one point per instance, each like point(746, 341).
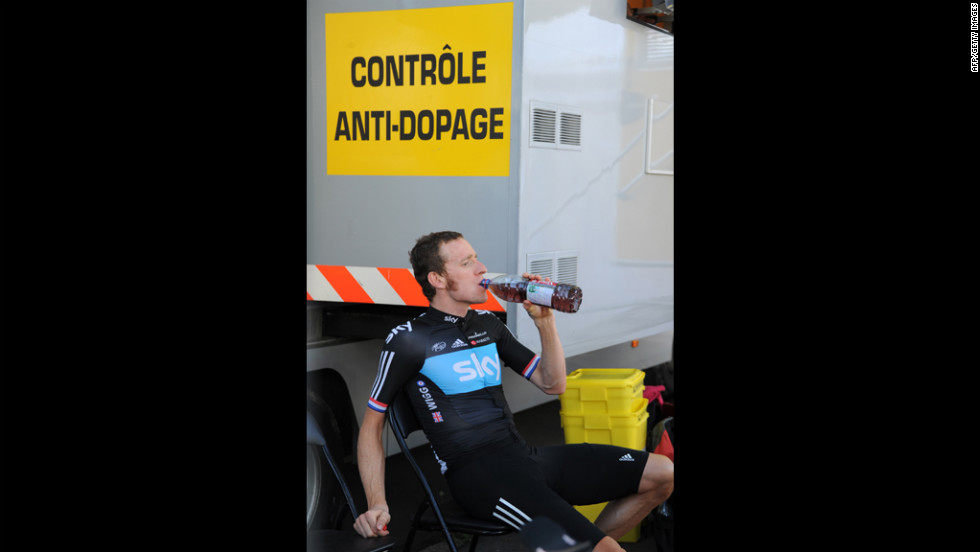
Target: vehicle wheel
point(314, 480)
point(330, 404)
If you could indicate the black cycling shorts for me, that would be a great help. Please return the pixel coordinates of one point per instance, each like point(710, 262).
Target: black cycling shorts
point(514, 485)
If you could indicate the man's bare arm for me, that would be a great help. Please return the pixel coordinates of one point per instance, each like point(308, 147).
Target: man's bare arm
point(550, 374)
point(371, 463)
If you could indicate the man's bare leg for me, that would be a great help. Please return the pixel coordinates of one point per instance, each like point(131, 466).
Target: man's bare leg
point(621, 515)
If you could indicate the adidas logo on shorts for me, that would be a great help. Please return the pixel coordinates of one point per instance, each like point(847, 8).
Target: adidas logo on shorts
point(626, 458)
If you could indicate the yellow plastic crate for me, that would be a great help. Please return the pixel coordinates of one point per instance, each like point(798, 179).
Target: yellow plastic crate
point(605, 406)
point(601, 390)
point(592, 511)
point(623, 430)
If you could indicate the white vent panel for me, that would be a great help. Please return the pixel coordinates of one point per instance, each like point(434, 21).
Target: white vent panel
point(556, 126)
point(543, 264)
point(543, 126)
point(567, 270)
point(571, 130)
point(560, 266)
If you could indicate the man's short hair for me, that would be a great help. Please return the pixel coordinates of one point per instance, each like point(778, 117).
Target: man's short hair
point(425, 258)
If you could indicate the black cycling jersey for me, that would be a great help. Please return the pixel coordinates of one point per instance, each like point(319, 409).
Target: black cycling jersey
point(451, 370)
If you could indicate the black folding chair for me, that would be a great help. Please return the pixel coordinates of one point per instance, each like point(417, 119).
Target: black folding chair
point(430, 516)
point(336, 540)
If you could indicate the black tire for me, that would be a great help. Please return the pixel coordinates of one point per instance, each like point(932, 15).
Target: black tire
point(314, 482)
point(330, 404)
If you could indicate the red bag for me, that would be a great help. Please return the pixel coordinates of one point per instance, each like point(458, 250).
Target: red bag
point(658, 408)
point(662, 438)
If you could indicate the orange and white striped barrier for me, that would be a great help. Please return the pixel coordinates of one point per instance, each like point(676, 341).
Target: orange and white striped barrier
point(373, 285)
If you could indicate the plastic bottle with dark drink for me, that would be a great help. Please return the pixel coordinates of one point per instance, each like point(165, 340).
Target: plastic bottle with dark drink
point(515, 288)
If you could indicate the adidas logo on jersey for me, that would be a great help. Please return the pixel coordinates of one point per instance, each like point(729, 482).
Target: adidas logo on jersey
point(626, 458)
point(458, 343)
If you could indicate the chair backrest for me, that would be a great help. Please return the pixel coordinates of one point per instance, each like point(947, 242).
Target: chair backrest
point(314, 436)
point(403, 423)
point(402, 416)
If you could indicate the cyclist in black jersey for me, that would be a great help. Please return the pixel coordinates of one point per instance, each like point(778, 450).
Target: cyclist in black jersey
point(449, 360)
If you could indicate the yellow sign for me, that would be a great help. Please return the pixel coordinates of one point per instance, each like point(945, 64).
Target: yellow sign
point(423, 92)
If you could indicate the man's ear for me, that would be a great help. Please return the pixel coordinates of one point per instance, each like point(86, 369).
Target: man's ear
point(437, 280)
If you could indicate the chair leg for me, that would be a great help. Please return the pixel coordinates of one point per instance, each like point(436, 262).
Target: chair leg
point(415, 523)
point(408, 540)
point(473, 543)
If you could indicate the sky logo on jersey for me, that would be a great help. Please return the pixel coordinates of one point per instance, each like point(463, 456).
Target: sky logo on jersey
point(485, 367)
point(406, 326)
point(465, 370)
